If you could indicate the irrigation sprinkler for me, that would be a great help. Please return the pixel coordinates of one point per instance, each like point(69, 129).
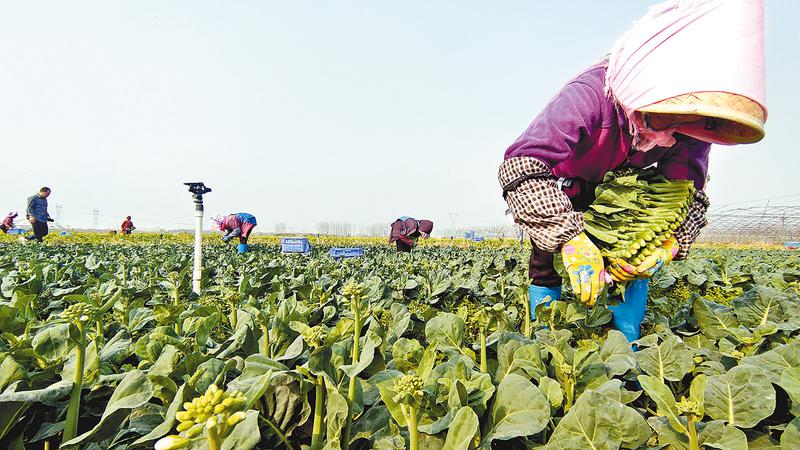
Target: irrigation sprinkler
point(198, 189)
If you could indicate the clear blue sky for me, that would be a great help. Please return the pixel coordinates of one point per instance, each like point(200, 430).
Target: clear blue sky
point(303, 111)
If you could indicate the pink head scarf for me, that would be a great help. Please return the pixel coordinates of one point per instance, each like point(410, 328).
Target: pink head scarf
point(683, 47)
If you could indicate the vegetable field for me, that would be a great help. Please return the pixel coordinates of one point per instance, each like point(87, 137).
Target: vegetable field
point(104, 346)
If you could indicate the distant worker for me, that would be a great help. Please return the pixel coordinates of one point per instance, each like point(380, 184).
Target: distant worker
point(406, 230)
point(8, 222)
point(236, 225)
point(687, 75)
point(127, 226)
point(37, 214)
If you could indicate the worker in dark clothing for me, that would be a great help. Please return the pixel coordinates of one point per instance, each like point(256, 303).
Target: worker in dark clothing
point(38, 215)
point(406, 230)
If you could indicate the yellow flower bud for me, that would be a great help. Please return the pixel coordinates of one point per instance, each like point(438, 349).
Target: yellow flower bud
point(171, 443)
point(183, 426)
point(194, 431)
point(219, 408)
point(183, 416)
point(236, 418)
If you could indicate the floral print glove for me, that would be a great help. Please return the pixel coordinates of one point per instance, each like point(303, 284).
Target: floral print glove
point(584, 264)
point(660, 256)
point(621, 270)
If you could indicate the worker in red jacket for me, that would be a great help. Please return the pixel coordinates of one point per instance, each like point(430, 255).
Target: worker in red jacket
point(236, 225)
point(127, 226)
point(406, 230)
point(8, 222)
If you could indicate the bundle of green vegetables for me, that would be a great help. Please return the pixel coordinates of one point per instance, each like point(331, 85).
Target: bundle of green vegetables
point(635, 211)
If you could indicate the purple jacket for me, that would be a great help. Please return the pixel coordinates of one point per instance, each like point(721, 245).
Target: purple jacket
point(581, 134)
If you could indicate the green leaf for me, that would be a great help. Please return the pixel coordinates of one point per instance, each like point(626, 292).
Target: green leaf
point(53, 343)
point(717, 434)
point(135, 390)
point(790, 382)
point(665, 400)
point(387, 394)
point(600, 422)
point(791, 435)
point(697, 392)
point(335, 417)
point(463, 430)
point(775, 361)
point(742, 397)
point(446, 330)
point(759, 305)
point(245, 435)
point(406, 354)
point(617, 354)
point(552, 392)
point(169, 418)
point(519, 409)
point(670, 360)
point(371, 343)
point(763, 442)
point(715, 321)
point(10, 371)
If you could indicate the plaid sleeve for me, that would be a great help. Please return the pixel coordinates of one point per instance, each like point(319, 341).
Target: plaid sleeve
point(540, 208)
point(694, 222)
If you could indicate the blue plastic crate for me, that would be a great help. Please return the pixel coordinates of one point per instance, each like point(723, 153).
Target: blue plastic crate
point(295, 245)
point(346, 252)
point(65, 233)
point(16, 231)
point(789, 245)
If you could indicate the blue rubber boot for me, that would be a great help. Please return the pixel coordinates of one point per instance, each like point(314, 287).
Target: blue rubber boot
point(540, 294)
point(241, 248)
point(628, 315)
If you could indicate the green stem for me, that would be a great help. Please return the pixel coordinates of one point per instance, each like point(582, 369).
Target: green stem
point(234, 316)
point(483, 351)
point(266, 350)
point(413, 433)
point(692, 433)
point(278, 432)
point(175, 302)
point(73, 409)
point(569, 389)
point(527, 305)
point(213, 439)
point(316, 433)
point(351, 390)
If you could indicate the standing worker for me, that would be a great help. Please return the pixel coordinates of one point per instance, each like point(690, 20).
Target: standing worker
point(127, 226)
point(37, 214)
point(8, 222)
point(687, 75)
point(406, 230)
point(236, 225)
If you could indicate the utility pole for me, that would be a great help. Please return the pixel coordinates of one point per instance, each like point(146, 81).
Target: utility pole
point(58, 214)
point(95, 218)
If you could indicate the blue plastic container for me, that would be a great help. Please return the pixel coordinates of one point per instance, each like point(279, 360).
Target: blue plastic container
point(295, 245)
point(65, 233)
point(16, 231)
point(346, 252)
point(241, 248)
point(789, 245)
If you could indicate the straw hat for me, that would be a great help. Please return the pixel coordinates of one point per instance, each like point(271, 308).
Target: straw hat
point(736, 119)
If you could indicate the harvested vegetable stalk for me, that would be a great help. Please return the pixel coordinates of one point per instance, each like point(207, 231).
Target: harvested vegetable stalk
point(635, 211)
